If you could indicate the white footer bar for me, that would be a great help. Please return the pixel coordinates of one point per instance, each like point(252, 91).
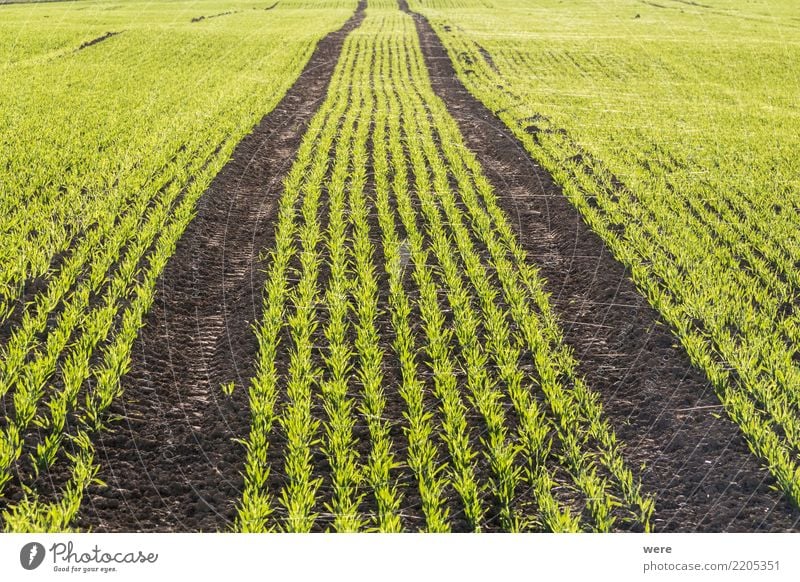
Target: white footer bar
point(406, 557)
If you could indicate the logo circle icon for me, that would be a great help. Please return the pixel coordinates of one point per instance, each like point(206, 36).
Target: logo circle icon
point(31, 555)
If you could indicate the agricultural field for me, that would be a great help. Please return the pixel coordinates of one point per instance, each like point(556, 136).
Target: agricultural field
point(440, 266)
point(101, 167)
point(673, 129)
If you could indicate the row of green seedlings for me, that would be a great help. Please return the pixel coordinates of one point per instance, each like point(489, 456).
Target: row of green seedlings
point(66, 219)
point(744, 348)
point(391, 182)
point(302, 186)
point(30, 513)
point(347, 475)
point(456, 433)
point(483, 394)
point(86, 296)
point(340, 445)
point(298, 496)
point(578, 412)
point(381, 461)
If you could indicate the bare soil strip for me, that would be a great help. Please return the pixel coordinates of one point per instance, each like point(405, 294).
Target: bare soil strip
point(665, 411)
point(171, 463)
point(94, 41)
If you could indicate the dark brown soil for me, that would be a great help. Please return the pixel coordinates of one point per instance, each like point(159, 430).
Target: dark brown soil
point(94, 41)
point(171, 463)
point(201, 18)
point(697, 464)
